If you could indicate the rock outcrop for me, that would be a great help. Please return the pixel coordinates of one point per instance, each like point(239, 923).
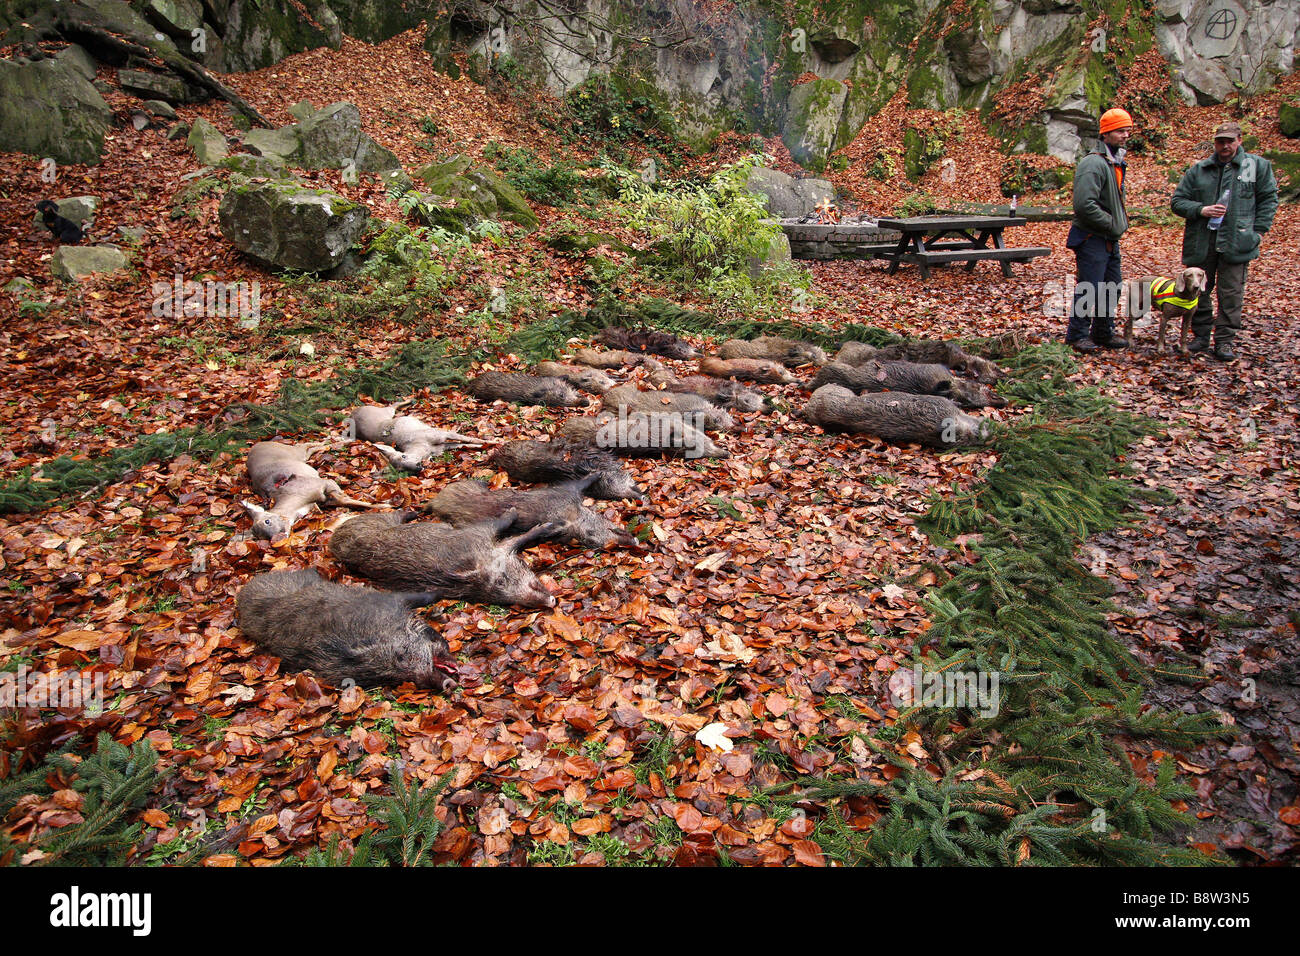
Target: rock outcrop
point(49, 108)
point(289, 226)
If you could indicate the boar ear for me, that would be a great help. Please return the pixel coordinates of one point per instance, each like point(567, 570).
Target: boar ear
point(418, 598)
point(532, 535)
point(580, 485)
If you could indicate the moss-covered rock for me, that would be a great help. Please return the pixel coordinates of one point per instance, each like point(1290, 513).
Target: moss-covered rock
point(49, 108)
point(813, 120)
point(73, 262)
point(1287, 168)
point(208, 142)
point(288, 226)
point(1288, 119)
point(255, 167)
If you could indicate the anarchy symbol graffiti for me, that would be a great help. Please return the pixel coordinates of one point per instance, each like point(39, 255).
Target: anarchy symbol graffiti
point(1221, 25)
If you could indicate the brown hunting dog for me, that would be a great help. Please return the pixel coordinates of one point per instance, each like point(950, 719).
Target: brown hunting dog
point(1168, 297)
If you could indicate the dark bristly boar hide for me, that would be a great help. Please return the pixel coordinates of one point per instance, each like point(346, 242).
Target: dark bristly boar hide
point(579, 376)
point(722, 392)
point(524, 389)
point(345, 633)
point(646, 340)
point(925, 351)
point(560, 460)
point(463, 564)
point(774, 348)
point(748, 370)
point(896, 417)
point(467, 502)
point(696, 410)
point(640, 434)
point(621, 358)
point(874, 376)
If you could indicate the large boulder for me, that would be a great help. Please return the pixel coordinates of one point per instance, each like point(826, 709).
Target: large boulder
point(73, 262)
point(787, 197)
point(462, 194)
point(259, 34)
point(79, 60)
point(331, 138)
point(813, 120)
point(1288, 120)
point(208, 142)
point(289, 226)
point(76, 209)
point(48, 108)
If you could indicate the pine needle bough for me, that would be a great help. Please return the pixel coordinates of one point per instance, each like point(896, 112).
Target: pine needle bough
point(115, 783)
point(1044, 779)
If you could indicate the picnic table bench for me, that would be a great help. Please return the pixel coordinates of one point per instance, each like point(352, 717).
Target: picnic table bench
point(936, 240)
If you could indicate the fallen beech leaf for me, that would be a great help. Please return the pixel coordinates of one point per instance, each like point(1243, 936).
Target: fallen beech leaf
point(715, 737)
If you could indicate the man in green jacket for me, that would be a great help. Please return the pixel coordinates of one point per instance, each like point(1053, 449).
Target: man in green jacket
point(1229, 201)
point(1099, 222)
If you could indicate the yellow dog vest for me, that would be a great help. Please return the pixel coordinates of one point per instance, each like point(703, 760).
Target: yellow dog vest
point(1162, 293)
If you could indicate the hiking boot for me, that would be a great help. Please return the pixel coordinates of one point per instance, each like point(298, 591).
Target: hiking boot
point(1114, 342)
point(1224, 353)
point(1199, 344)
point(1083, 345)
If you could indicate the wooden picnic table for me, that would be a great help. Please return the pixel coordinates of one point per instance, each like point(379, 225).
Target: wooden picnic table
point(935, 240)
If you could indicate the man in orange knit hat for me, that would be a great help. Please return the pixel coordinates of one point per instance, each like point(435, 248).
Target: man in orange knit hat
point(1099, 222)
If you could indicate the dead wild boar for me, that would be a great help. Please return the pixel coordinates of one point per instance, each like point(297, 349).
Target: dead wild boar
point(646, 340)
point(749, 370)
point(281, 475)
point(620, 358)
point(724, 393)
point(697, 410)
point(560, 460)
point(467, 502)
point(774, 348)
point(341, 632)
point(640, 434)
point(855, 353)
point(462, 564)
point(525, 389)
point(588, 379)
point(942, 353)
point(896, 417)
point(913, 377)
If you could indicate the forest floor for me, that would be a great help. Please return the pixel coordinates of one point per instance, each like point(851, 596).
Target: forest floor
point(779, 588)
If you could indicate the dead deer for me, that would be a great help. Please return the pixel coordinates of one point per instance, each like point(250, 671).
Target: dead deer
point(281, 475)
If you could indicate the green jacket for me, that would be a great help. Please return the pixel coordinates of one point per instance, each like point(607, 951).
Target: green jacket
point(1098, 199)
point(1251, 207)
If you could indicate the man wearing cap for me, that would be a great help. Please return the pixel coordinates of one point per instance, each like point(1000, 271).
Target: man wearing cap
point(1099, 222)
point(1228, 200)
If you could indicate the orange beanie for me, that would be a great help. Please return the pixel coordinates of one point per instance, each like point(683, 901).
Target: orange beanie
point(1115, 119)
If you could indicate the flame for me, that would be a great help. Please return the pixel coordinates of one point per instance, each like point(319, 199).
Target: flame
point(827, 212)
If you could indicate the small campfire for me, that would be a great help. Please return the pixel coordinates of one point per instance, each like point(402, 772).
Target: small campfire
point(827, 212)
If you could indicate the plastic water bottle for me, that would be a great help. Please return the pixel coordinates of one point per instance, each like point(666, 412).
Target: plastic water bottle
point(1217, 221)
point(1014, 203)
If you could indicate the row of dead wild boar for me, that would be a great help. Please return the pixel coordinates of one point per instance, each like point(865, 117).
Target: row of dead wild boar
point(907, 393)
